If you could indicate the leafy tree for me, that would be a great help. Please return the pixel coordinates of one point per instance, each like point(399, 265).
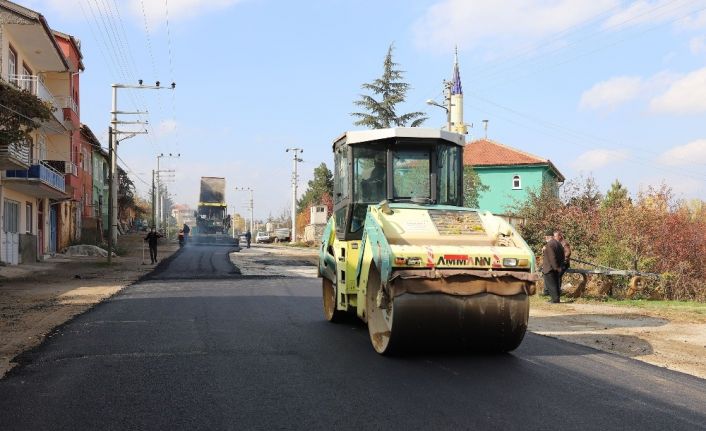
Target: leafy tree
point(381, 113)
point(321, 184)
point(21, 114)
point(472, 187)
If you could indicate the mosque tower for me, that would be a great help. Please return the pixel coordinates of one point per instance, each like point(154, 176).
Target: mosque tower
point(456, 101)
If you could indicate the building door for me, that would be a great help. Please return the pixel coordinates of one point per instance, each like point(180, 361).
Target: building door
point(52, 228)
point(11, 227)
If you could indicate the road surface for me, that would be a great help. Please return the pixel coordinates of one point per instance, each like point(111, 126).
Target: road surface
point(200, 345)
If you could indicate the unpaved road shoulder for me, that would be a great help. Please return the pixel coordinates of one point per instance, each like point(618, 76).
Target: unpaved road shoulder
point(673, 340)
point(38, 297)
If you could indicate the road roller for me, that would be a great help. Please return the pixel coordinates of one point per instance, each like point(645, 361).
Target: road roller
point(403, 254)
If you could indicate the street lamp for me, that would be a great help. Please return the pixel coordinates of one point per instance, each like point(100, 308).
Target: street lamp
point(445, 108)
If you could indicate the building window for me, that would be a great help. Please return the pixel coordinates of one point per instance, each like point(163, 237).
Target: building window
point(28, 218)
point(516, 182)
point(12, 66)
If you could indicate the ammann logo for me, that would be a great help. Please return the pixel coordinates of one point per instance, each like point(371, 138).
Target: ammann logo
point(462, 260)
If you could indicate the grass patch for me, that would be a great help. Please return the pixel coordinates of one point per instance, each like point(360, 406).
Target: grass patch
point(660, 304)
point(650, 304)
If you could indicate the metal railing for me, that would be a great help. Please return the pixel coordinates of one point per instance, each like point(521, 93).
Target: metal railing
point(43, 172)
point(35, 86)
point(16, 150)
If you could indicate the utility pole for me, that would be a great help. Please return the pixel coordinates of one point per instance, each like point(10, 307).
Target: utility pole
point(296, 159)
point(111, 208)
point(154, 195)
point(249, 189)
point(113, 153)
point(159, 199)
point(158, 195)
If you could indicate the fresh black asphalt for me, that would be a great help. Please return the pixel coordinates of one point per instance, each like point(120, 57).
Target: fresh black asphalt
point(186, 350)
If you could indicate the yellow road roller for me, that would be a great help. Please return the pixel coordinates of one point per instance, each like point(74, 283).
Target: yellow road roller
point(402, 253)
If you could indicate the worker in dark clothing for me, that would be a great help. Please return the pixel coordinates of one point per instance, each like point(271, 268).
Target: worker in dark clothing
point(559, 236)
point(151, 239)
point(186, 229)
point(248, 237)
point(552, 266)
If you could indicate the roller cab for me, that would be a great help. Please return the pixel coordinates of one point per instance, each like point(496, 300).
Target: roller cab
point(404, 255)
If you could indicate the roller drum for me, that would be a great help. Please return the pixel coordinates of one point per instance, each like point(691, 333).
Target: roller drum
point(439, 321)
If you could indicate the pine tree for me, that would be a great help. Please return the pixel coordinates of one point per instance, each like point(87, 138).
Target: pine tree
point(321, 184)
point(381, 114)
point(617, 196)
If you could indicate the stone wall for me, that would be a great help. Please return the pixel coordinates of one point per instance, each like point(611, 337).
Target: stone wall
point(313, 233)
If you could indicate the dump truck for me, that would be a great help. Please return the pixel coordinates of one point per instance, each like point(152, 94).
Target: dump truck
point(212, 219)
point(403, 254)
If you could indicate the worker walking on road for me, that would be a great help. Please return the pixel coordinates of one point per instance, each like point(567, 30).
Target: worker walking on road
point(186, 229)
point(151, 239)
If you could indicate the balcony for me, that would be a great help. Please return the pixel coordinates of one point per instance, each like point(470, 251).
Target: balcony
point(63, 166)
point(62, 105)
point(39, 180)
point(14, 156)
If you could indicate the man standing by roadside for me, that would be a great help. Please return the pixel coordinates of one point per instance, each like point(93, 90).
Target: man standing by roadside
point(151, 239)
point(559, 236)
point(552, 264)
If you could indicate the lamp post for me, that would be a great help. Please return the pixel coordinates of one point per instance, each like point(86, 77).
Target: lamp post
point(249, 189)
point(296, 159)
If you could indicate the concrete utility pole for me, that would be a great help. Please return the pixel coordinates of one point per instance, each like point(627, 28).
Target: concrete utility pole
point(249, 189)
point(113, 152)
point(296, 159)
point(159, 198)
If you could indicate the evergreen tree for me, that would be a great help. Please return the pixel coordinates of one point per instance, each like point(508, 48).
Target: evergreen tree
point(617, 196)
point(381, 113)
point(321, 184)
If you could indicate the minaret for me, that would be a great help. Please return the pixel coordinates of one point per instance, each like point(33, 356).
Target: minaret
point(456, 99)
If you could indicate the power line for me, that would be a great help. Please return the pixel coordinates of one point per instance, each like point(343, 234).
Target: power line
point(498, 78)
point(555, 131)
point(171, 71)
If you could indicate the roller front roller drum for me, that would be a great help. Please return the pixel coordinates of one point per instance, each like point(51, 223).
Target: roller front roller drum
point(438, 321)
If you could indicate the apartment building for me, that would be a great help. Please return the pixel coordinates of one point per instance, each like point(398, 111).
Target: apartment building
point(46, 180)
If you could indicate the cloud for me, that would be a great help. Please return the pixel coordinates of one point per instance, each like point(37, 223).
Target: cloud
point(155, 10)
point(692, 153)
point(611, 93)
point(686, 95)
point(473, 24)
point(697, 45)
point(599, 158)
